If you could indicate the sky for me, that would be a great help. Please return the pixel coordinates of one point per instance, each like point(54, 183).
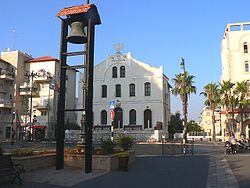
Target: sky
point(158, 32)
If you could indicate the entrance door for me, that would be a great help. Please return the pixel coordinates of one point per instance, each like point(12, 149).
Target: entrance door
point(147, 119)
point(7, 132)
point(118, 118)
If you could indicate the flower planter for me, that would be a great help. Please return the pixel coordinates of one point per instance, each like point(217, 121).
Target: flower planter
point(123, 163)
point(36, 162)
point(99, 162)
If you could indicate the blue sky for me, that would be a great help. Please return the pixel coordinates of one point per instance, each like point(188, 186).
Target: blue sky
point(156, 32)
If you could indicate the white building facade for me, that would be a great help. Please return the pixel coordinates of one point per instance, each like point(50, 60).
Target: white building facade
point(235, 59)
point(139, 92)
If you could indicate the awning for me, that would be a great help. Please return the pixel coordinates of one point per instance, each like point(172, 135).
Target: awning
point(39, 127)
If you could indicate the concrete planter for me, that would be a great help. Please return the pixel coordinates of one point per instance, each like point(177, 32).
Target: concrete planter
point(99, 162)
point(36, 162)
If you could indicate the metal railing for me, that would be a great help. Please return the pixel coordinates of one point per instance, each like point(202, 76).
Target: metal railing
point(175, 147)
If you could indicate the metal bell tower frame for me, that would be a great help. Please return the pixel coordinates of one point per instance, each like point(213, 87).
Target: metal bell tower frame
point(88, 14)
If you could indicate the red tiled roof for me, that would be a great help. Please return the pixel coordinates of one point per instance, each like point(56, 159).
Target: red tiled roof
point(75, 9)
point(40, 59)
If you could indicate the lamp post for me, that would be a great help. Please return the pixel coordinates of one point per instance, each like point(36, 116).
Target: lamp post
point(184, 103)
point(12, 127)
point(232, 105)
point(30, 75)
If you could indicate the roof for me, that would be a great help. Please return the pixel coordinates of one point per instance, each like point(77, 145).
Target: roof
point(89, 11)
point(4, 61)
point(40, 59)
point(75, 9)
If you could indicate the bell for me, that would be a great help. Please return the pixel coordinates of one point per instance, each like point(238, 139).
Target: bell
point(77, 35)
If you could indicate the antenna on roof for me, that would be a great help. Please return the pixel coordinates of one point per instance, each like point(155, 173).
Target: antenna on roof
point(14, 39)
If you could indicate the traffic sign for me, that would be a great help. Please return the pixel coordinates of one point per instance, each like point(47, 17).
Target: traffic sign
point(112, 105)
point(112, 115)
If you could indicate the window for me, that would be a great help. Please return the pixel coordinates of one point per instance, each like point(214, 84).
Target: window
point(246, 66)
point(104, 91)
point(104, 117)
point(245, 47)
point(118, 90)
point(147, 89)
point(122, 72)
point(114, 72)
point(131, 90)
point(132, 117)
point(43, 113)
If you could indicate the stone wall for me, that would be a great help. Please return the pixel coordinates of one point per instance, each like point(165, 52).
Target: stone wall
point(98, 135)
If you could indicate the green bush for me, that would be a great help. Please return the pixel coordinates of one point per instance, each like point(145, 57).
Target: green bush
point(125, 142)
point(22, 152)
point(107, 146)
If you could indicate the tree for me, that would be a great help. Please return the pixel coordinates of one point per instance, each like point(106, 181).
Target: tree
point(184, 86)
point(211, 92)
point(193, 126)
point(225, 93)
point(175, 124)
point(242, 92)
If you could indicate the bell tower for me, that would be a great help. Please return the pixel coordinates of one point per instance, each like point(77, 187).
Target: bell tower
point(79, 19)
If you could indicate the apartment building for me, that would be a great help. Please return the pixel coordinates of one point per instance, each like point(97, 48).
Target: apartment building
point(7, 80)
point(36, 94)
point(206, 123)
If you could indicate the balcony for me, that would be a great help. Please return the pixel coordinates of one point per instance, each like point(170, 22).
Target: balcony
point(42, 77)
point(25, 89)
point(43, 105)
point(5, 104)
point(7, 75)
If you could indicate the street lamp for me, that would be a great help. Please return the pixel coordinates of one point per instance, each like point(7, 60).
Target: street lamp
point(30, 75)
point(232, 104)
point(12, 127)
point(184, 102)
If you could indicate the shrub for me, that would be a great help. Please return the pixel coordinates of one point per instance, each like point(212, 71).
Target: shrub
point(22, 152)
point(125, 142)
point(107, 146)
point(69, 150)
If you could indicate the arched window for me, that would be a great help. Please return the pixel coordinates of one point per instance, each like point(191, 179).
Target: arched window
point(246, 66)
point(147, 119)
point(118, 90)
point(147, 89)
point(245, 46)
point(114, 72)
point(104, 91)
point(103, 117)
point(132, 117)
point(122, 72)
point(131, 90)
point(118, 121)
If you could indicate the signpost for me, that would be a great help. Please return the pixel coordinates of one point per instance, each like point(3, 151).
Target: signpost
point(112, 117)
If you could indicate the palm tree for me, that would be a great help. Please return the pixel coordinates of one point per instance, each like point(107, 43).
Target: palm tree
point(225, 93)
point(211, 92)
point(242, 92)
point(184, 90)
